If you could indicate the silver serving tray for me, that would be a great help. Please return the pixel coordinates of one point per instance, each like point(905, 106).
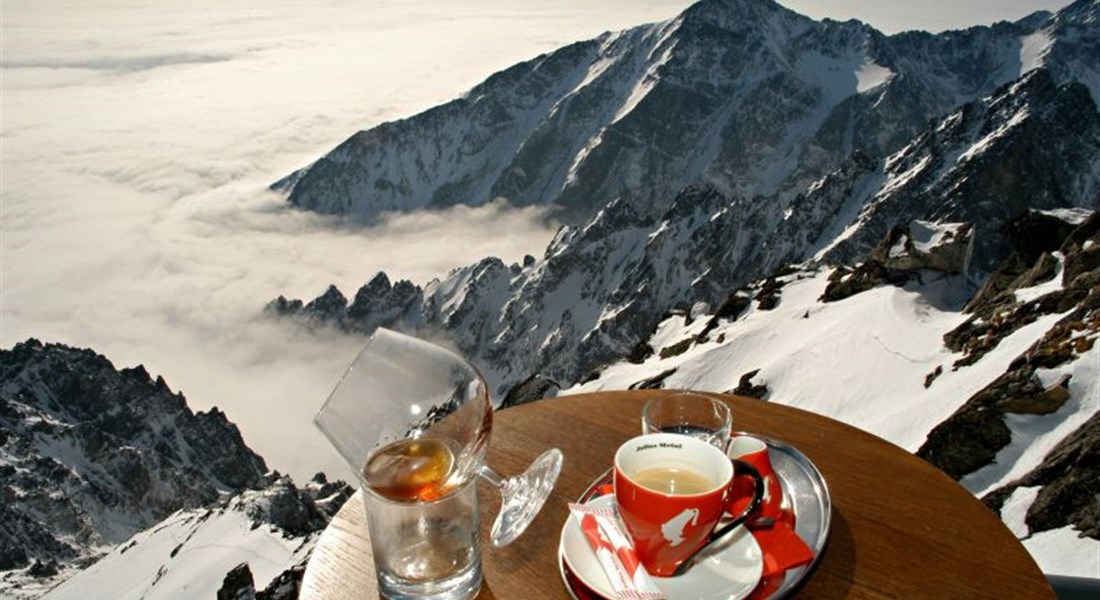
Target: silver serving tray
point(804, 489)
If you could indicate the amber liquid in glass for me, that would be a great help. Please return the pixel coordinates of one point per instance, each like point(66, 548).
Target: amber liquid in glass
point(413, 470)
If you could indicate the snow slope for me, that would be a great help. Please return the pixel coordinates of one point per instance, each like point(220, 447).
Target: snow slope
point(187, 556)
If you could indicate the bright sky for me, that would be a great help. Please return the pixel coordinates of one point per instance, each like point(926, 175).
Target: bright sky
point(892, 16)
point(137, 139)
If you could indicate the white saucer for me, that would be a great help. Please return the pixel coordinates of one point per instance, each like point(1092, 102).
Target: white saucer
point(728, 570)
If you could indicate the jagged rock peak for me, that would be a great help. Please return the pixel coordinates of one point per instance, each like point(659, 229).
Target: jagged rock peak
point(298, 512)
point(328, 305)
point(90, 454)
point(379, 284)
point(738, 15)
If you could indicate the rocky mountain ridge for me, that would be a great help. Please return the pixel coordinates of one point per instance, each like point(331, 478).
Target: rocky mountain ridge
point(91, 458)
point(600, 288)
point(743, 96)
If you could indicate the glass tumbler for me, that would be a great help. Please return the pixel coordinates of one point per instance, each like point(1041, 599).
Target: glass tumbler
point(426, 549)
point(688, 413)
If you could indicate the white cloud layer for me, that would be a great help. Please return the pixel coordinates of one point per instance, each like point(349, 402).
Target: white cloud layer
point(136, 142)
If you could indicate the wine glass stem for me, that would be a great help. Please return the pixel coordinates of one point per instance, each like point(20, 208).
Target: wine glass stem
point(488, 474)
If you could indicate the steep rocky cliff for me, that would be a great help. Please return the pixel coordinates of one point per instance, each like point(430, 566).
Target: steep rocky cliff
point(95, 462)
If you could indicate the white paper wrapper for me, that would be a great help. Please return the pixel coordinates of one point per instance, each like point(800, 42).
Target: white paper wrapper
point(615, 553)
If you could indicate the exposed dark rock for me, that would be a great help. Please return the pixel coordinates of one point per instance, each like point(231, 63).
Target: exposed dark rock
point(238, 584)
point(1070, 481)
point(285, 506)
point(329, 496)
point(1034, 400)
point(642, 350)
point(931, 377)
point(655, 382)
point(283, 307)
point(591, 376)
point(1035, 233)
point(901, 256)
point(997, 313)
point(845, 282)
point(134, 454)
point(1081, 256)
point(971, 438)
point(12, 555)
point(678, 348)
point(767, 297)
point(730, 308)
point(745, 387)
point(919, 246)
point(42, 570)
point(286, 586)
point(967, 441)
point(533, 388)
point(733, 305)
point(378, 303)
point(329, 306)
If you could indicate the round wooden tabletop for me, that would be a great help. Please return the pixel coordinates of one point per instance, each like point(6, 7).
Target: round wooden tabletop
point(900, 527)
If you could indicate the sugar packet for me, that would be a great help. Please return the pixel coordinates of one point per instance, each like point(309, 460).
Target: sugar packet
point(615, 553)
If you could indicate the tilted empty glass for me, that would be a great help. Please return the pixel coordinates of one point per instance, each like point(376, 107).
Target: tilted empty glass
point(413, 420)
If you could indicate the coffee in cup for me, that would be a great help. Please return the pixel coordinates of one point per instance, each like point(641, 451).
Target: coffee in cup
point(672, 491)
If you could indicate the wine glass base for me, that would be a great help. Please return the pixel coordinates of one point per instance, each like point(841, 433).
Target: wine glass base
point(522, 497)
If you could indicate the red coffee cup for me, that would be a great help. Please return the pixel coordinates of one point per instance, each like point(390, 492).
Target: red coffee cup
point(672, 490)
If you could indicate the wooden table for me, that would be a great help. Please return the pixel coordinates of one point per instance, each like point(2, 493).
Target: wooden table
point(900, 528)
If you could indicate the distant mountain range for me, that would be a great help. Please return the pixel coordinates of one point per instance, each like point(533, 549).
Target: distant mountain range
point(723, 97)
point(743, 96)
point(603, 286)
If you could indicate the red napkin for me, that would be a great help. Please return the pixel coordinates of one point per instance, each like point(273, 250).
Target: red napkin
point(782, 549)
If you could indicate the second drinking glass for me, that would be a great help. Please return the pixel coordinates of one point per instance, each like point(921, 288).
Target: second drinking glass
point(687, 413)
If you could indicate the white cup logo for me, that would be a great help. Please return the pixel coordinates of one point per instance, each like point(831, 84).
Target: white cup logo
point(673, 530)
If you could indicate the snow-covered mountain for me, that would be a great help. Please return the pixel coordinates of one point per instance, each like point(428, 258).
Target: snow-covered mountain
point(600, 288)
point(110, 467)
point(896, 231)
point(744, 96)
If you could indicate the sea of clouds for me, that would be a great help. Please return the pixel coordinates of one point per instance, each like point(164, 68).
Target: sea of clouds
point(137, 140)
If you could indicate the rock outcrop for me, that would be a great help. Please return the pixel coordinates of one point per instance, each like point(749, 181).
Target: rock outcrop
point(91, 455)
point(972, 437)
point(96, 461)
